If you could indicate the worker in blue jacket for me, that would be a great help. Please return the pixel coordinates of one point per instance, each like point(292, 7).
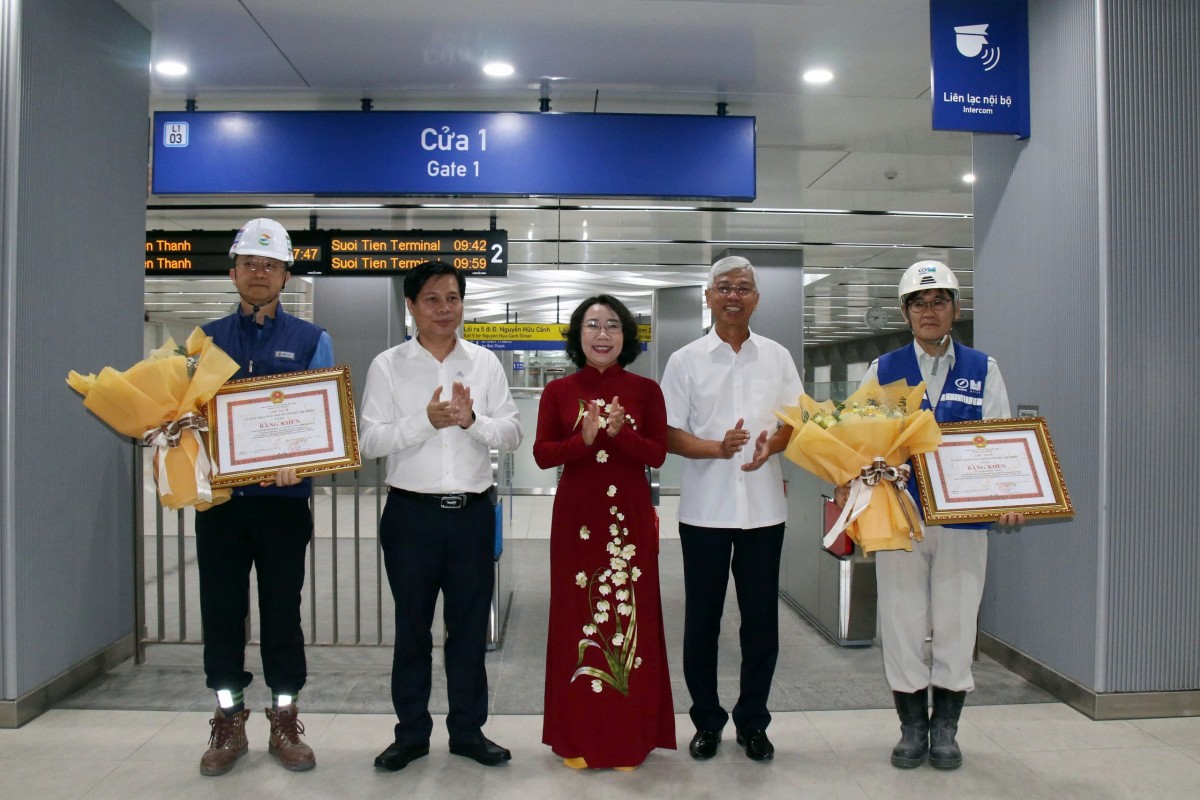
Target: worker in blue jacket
point(938, 586)
point(267, 526)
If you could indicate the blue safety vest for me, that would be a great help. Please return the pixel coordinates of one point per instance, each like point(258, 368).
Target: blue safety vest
point(961, 399)
point(283, 344)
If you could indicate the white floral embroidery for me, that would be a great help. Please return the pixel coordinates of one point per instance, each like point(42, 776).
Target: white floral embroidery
point(619, 623)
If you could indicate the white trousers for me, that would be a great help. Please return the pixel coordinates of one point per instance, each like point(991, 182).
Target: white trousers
point(935, 588)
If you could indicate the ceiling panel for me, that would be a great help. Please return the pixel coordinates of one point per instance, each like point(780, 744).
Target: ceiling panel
point(824, 153)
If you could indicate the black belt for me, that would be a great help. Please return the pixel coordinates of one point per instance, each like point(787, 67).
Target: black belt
point(450, 501)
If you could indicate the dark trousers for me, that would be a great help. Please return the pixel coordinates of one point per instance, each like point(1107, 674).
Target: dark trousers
point(427, 550)
point(709, 554)
point(271, 534)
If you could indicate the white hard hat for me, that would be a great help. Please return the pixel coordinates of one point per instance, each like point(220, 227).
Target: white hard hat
point(263, 237)
point(928, 275)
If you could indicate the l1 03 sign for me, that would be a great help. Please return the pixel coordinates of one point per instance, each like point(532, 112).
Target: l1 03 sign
point(436, 153)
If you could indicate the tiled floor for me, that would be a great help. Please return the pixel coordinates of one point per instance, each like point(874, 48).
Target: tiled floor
point(139, 731)
point(1022, 751)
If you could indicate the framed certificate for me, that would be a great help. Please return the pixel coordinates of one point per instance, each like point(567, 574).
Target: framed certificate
point(986, 468)
point(296, 419)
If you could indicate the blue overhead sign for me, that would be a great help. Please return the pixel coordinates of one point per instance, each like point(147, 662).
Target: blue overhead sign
point(433, 153)
point(980, 51)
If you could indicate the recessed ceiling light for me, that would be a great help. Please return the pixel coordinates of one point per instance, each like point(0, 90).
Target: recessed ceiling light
point(498, 69)
point(818, 76)
point(969, 177)
point(171, 69)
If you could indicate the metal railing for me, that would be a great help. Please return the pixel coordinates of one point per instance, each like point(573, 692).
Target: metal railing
point(345, 588)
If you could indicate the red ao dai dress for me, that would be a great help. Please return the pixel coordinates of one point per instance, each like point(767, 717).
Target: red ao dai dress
point(608, 692)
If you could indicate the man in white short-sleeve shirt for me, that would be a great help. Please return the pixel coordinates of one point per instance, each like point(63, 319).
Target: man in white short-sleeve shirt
point(722, 391)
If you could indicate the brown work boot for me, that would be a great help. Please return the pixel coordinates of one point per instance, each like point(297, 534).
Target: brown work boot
point(226, 744)
point(285, 744)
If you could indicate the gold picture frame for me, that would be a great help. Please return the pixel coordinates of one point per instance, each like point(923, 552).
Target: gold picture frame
point(294, 419)
point(986, 468)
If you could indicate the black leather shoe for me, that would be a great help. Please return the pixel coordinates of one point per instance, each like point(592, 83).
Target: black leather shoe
point(704, 745)
point(758, 746)
point(398, 755)
point(483, 750)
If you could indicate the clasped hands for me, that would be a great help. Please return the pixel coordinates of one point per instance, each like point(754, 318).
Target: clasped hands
point(591, 419)
point(458, 410)
point(738, 437)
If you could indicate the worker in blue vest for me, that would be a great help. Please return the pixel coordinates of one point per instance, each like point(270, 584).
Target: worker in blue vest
point(937, 587)
point(267, 526)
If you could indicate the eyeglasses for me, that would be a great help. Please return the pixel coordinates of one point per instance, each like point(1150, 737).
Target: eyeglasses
point(726, 289)
point(937, 304)
point(262, 265)
point(610, 326)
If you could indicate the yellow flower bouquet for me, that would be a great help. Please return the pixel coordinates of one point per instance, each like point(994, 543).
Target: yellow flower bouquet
point(161, 401)
point(866, 441)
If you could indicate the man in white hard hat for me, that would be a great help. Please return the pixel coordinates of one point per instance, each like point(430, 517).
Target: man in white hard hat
point(721, 393)
point(266, 526)
point(939, 584)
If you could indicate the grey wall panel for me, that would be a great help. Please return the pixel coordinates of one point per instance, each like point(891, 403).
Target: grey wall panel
point(76, 304)
point(677, 321)
point(364, 317)
point(1154, 110)
point(1037, 295)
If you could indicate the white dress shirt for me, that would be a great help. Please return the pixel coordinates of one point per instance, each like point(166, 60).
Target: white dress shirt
point(394, 421)
point(707, 388)
point(995, 393)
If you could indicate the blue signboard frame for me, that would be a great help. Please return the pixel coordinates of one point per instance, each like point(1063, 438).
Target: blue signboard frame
point(428, 153)
point(980, 66)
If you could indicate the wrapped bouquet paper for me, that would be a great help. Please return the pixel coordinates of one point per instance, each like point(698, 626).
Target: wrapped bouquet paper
point(866, 442)
point(161, 401)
